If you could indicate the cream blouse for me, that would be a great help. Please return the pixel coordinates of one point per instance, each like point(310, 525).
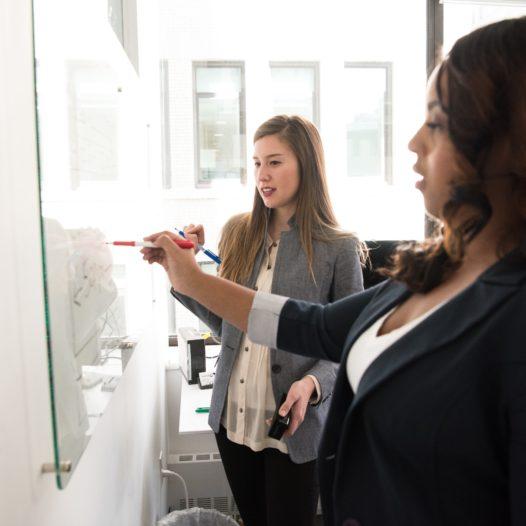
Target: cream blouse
point(250, 399)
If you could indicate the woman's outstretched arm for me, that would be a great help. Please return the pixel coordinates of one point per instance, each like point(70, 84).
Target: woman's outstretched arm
point(308, 329)
point(230, 301)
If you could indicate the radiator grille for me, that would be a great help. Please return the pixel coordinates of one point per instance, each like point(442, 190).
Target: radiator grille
point(224, 505)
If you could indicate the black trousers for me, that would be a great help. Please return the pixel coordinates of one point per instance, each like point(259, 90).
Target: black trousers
point(269, 489)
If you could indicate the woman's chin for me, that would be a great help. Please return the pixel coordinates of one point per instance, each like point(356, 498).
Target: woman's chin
point(268, 202)
point(420, 185)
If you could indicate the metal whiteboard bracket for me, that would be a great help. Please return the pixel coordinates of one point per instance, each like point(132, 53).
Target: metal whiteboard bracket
point(63, 467)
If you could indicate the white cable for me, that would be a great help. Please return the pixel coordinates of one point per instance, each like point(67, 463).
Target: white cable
point(166, 473)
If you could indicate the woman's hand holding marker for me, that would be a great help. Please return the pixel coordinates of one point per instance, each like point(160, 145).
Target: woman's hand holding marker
point(181, 265)
point(196, 234)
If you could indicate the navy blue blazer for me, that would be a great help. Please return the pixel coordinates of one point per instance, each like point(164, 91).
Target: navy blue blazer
point(436, 432)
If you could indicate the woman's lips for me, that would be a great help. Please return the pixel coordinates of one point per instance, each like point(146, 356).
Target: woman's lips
point(420, 183)
point(267, 192)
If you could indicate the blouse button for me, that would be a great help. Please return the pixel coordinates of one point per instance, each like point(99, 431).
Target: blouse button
point(242, 381)
point(246, 349)
point(240, 409)
point(276, 368)
point(256, 287)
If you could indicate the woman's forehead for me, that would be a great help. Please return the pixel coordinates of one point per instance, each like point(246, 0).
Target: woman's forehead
point(433, 99)
point(271, 145)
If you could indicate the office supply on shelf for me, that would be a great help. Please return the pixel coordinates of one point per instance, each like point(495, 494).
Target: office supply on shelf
point(202, 410)
point(191, 353)
point(206, 380)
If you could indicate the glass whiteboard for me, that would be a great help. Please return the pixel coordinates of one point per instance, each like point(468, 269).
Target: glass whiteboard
point(94, 188)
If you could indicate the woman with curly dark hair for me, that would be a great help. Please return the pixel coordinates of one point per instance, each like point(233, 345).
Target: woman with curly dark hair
point(427, 424)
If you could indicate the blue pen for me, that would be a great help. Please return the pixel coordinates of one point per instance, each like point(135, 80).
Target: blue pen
point(209, 253)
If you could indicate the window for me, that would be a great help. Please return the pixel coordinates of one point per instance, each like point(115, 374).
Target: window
point(295, 89)
point(219, 113)
point(214, 49)
point(462, 16)
point(368, 119)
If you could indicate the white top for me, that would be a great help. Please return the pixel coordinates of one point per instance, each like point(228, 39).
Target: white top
point(370, 345)
point(250, 398)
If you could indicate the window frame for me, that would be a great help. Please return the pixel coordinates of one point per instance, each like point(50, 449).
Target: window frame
point(434, 45)
point(166, 153)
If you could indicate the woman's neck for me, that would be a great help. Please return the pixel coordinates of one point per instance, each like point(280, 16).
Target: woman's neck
point(496, 238)
point(499, 236)
point(279, 221)
point(489, 246)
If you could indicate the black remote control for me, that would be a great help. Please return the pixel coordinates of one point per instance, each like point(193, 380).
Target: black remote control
point(279, 423)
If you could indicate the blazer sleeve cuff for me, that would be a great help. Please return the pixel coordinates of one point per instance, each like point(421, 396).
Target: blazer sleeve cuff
point(263, 319)
point(316, 396)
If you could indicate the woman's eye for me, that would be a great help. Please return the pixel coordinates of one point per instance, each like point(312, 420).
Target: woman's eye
point(257, 164)
point(274, 163)
point(433, 125)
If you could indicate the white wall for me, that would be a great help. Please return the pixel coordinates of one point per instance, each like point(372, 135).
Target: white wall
point(117, 480)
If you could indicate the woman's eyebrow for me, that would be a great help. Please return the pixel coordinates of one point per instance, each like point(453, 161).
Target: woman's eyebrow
point(269, 156)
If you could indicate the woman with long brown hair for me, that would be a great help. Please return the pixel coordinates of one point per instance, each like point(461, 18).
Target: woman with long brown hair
point(290, 244)
point(427, 424)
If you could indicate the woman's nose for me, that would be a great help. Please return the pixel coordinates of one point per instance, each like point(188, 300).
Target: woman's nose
point(413, 143)
point(263, 174)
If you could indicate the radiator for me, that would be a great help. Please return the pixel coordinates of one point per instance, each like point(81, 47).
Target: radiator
point(206, 481)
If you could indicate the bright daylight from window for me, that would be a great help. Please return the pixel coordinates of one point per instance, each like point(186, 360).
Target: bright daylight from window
point(227, 69)
point(346, 66)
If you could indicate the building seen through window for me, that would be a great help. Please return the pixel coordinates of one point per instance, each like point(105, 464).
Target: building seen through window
point(219, 121)
point(295, 89)
point(368, 119)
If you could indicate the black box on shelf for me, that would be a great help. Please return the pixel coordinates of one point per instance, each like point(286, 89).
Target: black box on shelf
point(191, 353)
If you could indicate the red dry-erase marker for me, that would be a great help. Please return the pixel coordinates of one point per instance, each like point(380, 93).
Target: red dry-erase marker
point(183, 243)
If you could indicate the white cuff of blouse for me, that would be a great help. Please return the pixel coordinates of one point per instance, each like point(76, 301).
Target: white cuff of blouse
point(263, 318)
point(263, 321)
point(315, 398)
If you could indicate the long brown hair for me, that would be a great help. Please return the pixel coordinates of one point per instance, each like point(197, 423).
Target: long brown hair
point(243, 236)
point(486, 108)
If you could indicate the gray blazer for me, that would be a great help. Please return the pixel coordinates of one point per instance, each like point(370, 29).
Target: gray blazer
point(338, 273)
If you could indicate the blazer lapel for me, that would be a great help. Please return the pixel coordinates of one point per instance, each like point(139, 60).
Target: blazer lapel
point(444, 325)
point(394, 294)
